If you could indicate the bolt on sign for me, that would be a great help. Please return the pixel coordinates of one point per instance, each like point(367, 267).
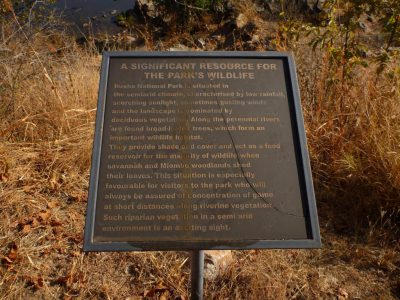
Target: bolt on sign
point(199, 151)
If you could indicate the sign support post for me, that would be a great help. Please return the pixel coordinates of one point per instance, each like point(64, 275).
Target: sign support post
point(197, 274)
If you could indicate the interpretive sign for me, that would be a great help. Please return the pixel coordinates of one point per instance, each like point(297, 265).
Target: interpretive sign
point(199, 151)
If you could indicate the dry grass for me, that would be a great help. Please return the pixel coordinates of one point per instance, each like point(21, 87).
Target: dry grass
point(353, 130)
point(48, 90)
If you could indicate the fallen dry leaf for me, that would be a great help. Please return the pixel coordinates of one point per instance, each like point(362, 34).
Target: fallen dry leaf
point(39, 281)
point(62, 280)
point(161, 286)
point(3, 171)
point(29, 189)
point(149, 293)
point(76, 253)
point(52, 204)
point(35, 223)
point(13, 253)
point(55, 223)
point(26, 229)
point(54, 185)
point(78, 196)
point(35, 282)
point(44, 215)
point(165, 295)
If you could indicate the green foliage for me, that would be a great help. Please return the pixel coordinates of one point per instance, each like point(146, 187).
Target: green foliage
point(338, 32)
point(391, 25)
point(25, 10)
point(388, 12)
point(125, 19)
point(339, 35)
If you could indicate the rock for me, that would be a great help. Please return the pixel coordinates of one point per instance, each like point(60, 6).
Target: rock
point(216, 262)
point(315, 5)
point(113, 12)
point(255, 39)
point(147, 8)
point(274, 6)
point(241, 21)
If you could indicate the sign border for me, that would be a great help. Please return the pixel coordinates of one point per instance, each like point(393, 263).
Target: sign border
point(304, 164)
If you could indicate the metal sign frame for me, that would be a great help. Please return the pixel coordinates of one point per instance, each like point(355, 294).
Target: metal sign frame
point(300, 143)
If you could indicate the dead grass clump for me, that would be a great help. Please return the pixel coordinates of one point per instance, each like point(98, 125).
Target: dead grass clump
point(304, 274)
point(353, 137)
point(47, 89)
point(47, 111)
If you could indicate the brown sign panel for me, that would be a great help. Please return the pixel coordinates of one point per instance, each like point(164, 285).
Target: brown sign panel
point(199, 151)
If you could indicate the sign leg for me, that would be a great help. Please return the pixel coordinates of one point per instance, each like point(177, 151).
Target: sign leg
point(197, 274)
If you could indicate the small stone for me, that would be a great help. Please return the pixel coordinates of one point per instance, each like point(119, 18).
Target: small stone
point(216, 262)
point(113, 12)
point(241, 21)
point(255, 39)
